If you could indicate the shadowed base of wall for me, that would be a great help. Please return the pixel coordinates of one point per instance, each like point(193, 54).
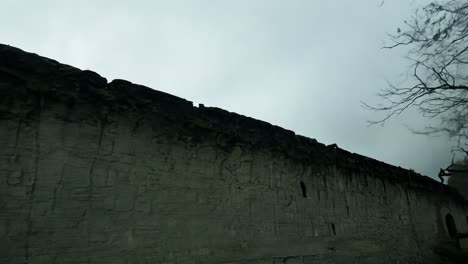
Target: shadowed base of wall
point(450, 253)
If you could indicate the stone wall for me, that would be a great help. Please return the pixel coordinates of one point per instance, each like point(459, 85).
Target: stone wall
point(98, 172)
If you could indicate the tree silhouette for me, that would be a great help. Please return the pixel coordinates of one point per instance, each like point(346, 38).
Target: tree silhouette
point(437, 84)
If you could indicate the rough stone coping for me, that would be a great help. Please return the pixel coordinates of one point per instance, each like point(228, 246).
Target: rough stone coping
point(65, 82)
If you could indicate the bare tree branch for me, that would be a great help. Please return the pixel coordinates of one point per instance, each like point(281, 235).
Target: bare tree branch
point(436, 36)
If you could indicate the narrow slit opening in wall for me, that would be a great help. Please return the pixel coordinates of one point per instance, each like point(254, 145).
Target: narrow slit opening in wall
point(333, 229)
point(451, 227)
point(303, 189)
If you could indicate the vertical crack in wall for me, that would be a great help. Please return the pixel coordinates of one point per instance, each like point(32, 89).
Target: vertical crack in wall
point(37, 151)
point(412, 225)
point(102, 123)
point(18, 131)
point(300, 227)
point(56, 188)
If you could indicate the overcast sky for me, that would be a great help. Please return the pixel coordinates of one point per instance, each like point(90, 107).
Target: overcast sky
point(303, 65)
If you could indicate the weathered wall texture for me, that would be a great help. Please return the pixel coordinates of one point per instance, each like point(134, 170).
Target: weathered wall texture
point(97, 172)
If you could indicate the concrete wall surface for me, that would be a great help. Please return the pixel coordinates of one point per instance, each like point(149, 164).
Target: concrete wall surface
point(98, 172)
